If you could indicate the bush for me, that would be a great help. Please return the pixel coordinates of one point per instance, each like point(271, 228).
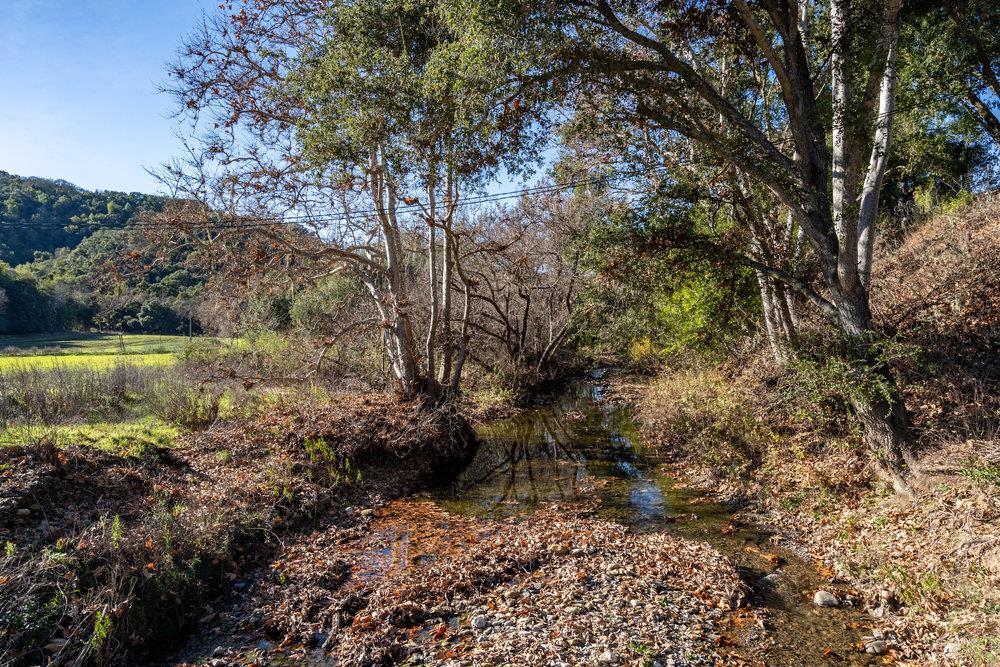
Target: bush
point(826, 378)
point(174, 401)
point(59, 394)
point(701, 415)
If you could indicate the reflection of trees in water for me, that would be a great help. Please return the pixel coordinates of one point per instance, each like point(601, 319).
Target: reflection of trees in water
point(527, 460)
point(543, 454)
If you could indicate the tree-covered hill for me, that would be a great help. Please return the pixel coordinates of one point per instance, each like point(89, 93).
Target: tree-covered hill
point(42, 215)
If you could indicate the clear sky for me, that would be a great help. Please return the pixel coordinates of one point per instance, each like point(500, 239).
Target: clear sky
point(78, 83)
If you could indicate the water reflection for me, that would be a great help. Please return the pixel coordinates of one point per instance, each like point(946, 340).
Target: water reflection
point(545, 454)
point(542, 456)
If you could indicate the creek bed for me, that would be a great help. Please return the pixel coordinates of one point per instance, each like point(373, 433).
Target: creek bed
point(580, 462)
point(583, 448)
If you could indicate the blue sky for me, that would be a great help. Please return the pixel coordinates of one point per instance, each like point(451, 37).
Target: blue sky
point(78, 81)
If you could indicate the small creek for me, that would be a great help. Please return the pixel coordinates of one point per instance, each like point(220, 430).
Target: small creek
point(579, 447)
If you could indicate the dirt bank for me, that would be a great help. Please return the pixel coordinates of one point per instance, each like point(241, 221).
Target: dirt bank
point(109, 557)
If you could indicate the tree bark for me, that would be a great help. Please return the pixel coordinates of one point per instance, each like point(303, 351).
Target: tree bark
point(882, 414)
point(432, 270)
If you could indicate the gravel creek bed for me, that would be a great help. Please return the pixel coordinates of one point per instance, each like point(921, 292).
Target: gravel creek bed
point(562, 543)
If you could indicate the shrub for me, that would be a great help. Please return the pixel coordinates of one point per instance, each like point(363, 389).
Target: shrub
point(826, 378)
point(175, 401)
point(706, 418)
point(57, 394)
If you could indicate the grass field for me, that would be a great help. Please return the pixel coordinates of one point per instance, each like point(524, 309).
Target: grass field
point(128, 438)
point(96, 361)
point(75, 344)
point(90, 350)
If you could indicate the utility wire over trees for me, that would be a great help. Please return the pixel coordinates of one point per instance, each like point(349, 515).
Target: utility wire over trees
point(354, 120)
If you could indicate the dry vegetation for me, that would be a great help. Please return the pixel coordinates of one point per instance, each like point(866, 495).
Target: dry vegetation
point(109, 555)
point(411, 583)
point(929, 563)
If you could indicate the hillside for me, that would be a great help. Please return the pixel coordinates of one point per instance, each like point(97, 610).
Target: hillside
point(42, 215)
point(940, 291)
point(927, 564)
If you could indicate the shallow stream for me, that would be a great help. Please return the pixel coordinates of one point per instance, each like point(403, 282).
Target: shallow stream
point(581, 446)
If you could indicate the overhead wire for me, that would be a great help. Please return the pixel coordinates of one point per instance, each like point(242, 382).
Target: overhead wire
point(311, 220)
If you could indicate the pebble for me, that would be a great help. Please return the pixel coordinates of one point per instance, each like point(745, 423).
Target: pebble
point(768, 581)
point(952, 649)
point(607, 658)
point(825, 599)
point(877, 647)
point(218, 652)
point(55, 645)
point(480, 622)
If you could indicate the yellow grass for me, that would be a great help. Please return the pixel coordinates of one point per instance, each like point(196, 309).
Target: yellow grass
point(95, 361)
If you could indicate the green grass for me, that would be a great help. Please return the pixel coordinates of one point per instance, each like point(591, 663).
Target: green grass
point(75, 344)
point(132, 438)
point(88, 350)
point(96, 361)
point(983, 473)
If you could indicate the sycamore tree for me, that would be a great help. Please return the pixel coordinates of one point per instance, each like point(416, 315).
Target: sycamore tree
point(798, 98)
point(693, 208)
point(341, 137)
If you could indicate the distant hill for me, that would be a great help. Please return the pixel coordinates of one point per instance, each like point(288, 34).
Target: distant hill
point(42, 215)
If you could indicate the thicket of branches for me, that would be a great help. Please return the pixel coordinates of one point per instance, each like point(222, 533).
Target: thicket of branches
point(758, 137)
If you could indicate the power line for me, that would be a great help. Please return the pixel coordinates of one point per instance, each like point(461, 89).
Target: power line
point(306, 219)
point(364, 214)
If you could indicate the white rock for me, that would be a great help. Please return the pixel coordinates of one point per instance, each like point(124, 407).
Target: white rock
point(480, 622)
point(825, 599)
point(877, 647)
point(607, 658)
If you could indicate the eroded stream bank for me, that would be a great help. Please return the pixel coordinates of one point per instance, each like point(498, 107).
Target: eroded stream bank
point(564, 541)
